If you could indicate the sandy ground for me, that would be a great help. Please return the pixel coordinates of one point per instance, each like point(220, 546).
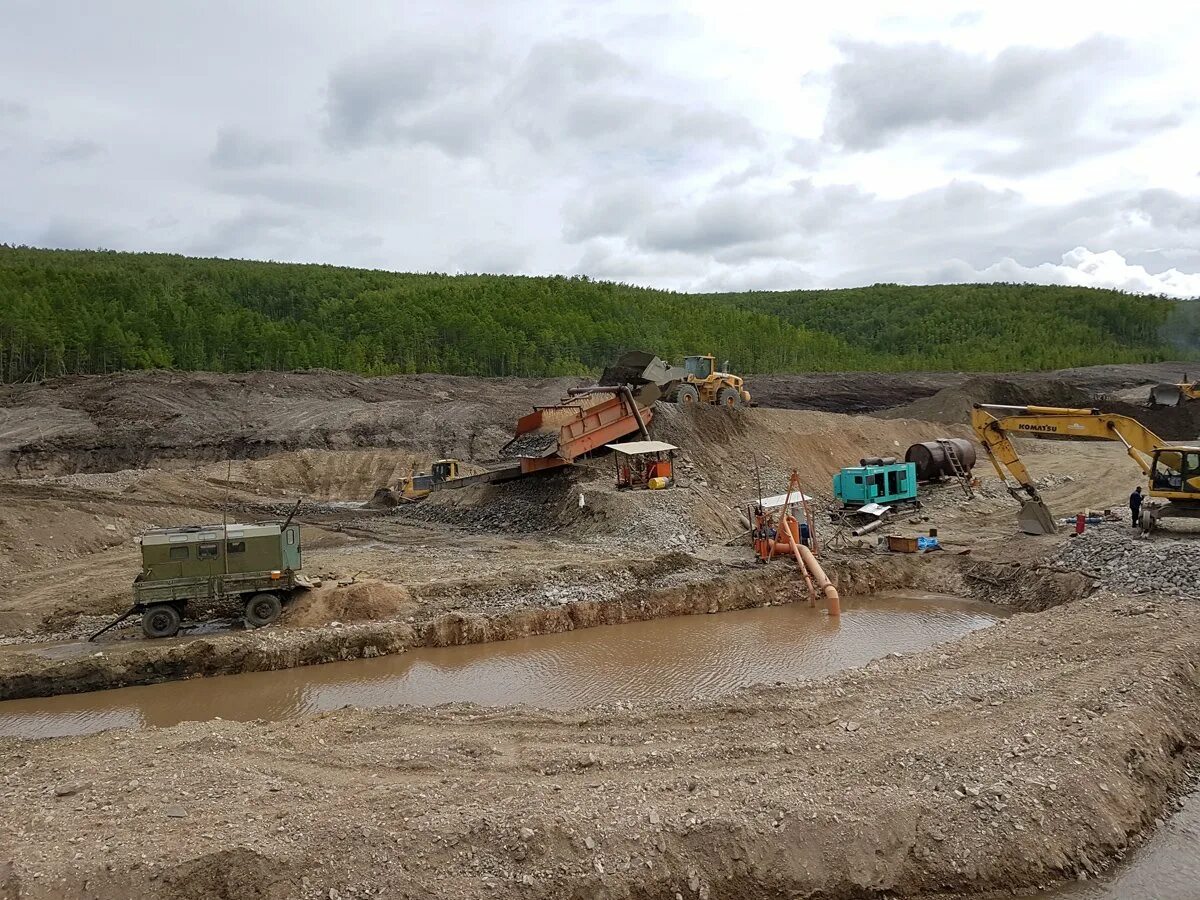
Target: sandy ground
point(1033, 751)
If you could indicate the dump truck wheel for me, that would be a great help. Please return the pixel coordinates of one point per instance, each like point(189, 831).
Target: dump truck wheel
point(687, 395)
point(160, 621)
point(262, 609)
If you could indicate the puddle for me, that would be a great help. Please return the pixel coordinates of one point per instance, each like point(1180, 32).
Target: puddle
point(1166, 867)
point(666, 659)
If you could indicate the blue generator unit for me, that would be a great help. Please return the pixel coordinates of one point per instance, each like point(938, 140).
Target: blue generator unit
point(878, 480)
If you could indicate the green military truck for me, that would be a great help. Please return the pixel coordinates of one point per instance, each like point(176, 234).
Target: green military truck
point(258, 565)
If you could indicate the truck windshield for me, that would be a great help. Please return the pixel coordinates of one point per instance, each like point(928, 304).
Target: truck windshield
point(700, 366)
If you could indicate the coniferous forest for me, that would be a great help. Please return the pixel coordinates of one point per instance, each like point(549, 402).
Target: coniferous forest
point(64, 312)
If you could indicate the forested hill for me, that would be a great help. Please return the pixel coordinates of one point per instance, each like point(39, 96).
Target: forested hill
point(75, 311)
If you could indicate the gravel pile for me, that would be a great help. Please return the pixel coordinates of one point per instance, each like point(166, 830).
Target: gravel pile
point(1114, 554)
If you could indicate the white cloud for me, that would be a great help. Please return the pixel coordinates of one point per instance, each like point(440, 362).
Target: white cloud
point(1084, 268)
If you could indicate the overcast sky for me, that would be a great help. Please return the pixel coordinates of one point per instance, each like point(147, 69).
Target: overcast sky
point(691, 145)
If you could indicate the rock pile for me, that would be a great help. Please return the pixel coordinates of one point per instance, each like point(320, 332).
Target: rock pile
point(1114, 554)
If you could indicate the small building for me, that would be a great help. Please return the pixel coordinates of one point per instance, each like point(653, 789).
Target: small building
point(644, 464)
point(876, 483)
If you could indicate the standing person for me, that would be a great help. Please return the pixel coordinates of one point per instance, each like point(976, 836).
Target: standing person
point(1135, 504)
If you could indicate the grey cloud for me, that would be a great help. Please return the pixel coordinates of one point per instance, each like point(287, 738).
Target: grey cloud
point(374, 98)
point(78, 150)
point(492, 257)
point(1143, 124)
point(13, 111)
point(250, 233)
point(236, 149)
point(79, 233)
point(881, 90)
point(730, 226)
point(607, 212)
point(1035, 104)
point(296, 190)
point(564, 97)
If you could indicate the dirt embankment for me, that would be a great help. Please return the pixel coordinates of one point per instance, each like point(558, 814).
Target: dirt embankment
point(1018, 755)
point(133, 419)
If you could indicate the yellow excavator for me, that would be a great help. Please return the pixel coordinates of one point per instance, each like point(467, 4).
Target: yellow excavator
point(1173, 471)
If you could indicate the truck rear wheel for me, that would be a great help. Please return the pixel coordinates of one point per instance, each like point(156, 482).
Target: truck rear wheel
point(262, 609)
point(687, 395)
point(728, 396)
point(160, 621)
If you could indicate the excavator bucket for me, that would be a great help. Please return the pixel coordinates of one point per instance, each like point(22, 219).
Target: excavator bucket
point(1035, 518)
point(1166, 395)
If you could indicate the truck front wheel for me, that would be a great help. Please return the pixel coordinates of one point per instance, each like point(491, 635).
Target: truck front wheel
point(262, 609)
point(160, 621)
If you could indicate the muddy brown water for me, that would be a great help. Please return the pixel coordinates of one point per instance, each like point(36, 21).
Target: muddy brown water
point(665, 659)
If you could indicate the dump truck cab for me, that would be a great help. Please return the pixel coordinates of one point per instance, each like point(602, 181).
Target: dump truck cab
point(259, 565)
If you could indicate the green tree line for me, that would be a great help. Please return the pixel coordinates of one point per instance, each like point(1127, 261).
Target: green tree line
point(64, 312)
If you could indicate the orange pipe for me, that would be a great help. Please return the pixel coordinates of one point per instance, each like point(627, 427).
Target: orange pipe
point(833, 603)
point(812, 591)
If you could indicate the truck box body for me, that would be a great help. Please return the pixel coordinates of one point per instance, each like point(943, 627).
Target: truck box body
point(214, 561)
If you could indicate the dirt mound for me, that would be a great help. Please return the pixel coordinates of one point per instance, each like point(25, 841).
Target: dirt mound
point(953, 405)
point(359, 602)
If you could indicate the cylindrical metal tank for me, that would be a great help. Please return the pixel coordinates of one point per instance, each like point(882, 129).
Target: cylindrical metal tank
point(931, 461)
point(878, 461)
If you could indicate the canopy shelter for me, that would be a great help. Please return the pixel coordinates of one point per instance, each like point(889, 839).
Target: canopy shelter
point(644, 464)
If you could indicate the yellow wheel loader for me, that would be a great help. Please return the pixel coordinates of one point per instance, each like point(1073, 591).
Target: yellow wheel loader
point(1173, 472)
point(696, 381)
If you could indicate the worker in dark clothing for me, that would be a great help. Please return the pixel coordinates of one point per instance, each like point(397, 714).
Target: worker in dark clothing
point(1135, 505)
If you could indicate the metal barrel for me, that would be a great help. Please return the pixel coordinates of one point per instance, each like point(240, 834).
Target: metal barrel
point(877, 461)
point(931, 460)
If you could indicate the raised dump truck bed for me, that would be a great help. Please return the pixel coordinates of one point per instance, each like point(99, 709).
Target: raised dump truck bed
point(553, 436)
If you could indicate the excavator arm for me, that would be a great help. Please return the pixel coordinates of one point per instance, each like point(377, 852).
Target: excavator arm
point(993, 426)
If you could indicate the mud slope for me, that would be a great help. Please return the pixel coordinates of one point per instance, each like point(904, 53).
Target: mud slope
point(104, 423)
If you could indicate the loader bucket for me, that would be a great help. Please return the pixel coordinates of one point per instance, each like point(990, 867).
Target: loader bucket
point(1035, 518)
point(638, 367)
point(1165, 395)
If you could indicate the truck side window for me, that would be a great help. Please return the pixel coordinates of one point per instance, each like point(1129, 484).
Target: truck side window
point(235, 547)
point(207, 551)
point(179, 553)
